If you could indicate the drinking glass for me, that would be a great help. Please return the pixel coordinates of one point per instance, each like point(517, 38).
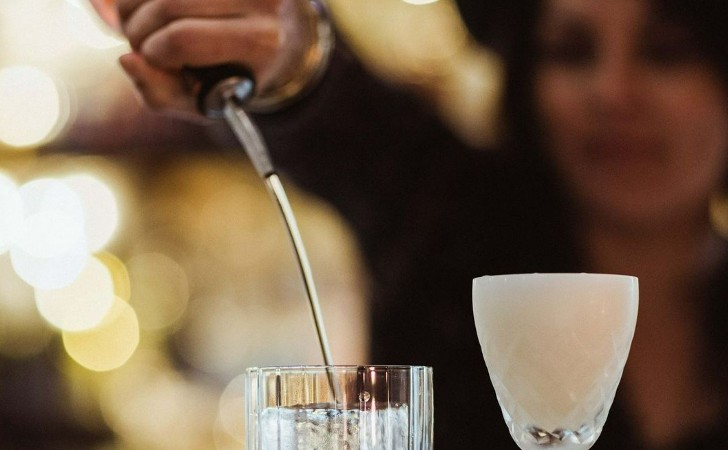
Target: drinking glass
point(555, 346)
point(339, 407)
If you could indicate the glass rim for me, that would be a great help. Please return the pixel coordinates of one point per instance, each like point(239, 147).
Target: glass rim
point(554, 275)
point(337, 368)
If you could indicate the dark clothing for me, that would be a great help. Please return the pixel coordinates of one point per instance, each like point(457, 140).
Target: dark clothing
point(431, 215)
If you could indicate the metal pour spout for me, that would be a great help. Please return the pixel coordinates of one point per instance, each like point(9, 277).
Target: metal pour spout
point(224, 91)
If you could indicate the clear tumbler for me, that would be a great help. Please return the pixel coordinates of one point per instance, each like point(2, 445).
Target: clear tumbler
point(339, 407)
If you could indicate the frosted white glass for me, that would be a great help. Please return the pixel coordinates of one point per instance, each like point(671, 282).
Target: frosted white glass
point(555, 346)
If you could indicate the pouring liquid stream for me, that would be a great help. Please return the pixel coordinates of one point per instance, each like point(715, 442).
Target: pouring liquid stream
point(251, 140)
point(247, 134)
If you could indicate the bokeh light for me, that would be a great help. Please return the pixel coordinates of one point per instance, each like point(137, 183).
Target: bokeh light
point(232, 402)
point(31, 109)
point(419, 2)
point(86, 27)
point(48, 271)
point(109, 345)
point(119, 274)
point(159, 288)
point(151, 406)
point(101, 211)
point(56, 200)
point(50, 250)
point(11, 212)
point(81, 305)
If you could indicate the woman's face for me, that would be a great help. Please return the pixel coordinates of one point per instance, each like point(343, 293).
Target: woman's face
point(635, 119)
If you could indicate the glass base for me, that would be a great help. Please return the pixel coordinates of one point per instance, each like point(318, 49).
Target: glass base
point(536, 438)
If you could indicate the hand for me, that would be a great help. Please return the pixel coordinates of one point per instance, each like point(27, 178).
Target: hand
point(272, 38)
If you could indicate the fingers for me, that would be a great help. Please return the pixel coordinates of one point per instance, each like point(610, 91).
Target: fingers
point(106, 9)
point(252, 42)
point(168, 36)
point(127, 7)
point(145, 17)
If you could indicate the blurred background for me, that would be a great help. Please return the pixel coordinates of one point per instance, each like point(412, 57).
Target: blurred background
point(143, 267)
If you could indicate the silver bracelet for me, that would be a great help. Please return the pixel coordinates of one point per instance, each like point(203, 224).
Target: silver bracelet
point(315, 63)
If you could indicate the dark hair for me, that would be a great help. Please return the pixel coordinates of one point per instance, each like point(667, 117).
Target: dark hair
point(515, 41)
point(707, 20)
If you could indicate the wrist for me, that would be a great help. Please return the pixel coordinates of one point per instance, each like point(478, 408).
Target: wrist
point(312, 66)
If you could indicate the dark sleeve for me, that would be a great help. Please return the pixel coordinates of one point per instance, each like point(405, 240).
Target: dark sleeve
point(377, 153)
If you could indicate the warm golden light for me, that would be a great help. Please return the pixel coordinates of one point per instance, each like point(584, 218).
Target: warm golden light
point(419, 2)
point(159, 289)
point(719, 214)
point(11, 212)
point(31, 108)
point(119, 274)
point(81, 305)
point(151, 406)
point(109, 345)
point(232, 402)
point(101, 211)
point(23, 332)
point(84, 25)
